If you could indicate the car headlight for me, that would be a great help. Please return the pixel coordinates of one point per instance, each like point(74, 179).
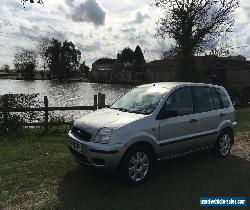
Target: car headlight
point(103, 136)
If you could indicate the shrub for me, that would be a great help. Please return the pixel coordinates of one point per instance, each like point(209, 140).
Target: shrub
point(18, 101)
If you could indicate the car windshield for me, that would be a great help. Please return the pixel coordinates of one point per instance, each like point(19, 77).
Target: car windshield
point(141, 100)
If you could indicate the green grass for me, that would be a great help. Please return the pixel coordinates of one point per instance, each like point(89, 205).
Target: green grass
point(30, 167)
point(243, 118)
point(37, 172)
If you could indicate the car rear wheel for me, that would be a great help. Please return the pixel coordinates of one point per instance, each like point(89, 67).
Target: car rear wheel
point(136, 164)
point(224, 144)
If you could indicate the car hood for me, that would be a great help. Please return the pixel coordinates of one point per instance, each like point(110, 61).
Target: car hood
point(106, 118)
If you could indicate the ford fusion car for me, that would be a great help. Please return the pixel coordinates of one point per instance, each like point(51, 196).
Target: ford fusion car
point(154, 122)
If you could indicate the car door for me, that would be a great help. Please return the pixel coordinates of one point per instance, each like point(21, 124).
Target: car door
point(207, 109)
point(176, 132)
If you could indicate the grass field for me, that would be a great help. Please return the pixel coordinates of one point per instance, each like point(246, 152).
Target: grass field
point(37, 172)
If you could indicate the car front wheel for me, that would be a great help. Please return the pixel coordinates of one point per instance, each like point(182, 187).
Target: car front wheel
point(137, 164)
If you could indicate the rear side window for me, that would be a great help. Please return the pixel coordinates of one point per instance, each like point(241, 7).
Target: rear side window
point(203, 99)
point(224, 100)
point(181, 100)
point(217, 100)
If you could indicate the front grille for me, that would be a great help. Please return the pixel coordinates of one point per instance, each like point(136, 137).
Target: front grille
point(81, 134)
point(79, 156)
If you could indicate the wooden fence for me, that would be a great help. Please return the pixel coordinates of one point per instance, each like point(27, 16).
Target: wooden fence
point(99, 103)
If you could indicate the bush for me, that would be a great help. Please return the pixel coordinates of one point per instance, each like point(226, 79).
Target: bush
point(18, 101)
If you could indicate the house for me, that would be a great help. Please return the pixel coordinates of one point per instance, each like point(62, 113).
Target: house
point(102, 70)
point(114, 71)
point(230, 72)
point(161, 70)
point(237, 58)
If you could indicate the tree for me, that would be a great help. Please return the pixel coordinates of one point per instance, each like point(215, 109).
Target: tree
point(84, 69)
point(25, 62)
point(42, 48)
point(126, 55)
point(70, 58)
point(5, 68)
point(171, 53)
point(194, 25)
point(53, 58)
point(62, 59)
point(138, 55)
point(24, 2)
point(222, 50)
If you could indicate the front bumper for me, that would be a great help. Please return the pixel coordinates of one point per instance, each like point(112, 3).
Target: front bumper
point(106, 156)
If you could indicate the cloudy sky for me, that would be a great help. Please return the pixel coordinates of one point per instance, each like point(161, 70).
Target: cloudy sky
point(99, 28)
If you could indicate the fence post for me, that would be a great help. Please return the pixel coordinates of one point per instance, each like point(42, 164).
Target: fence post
point(5, 114)
point(95, 102)
point(46, 114)
point(103, 100)
point(99, 100)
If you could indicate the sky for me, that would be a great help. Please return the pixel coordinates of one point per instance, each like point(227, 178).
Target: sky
point(98, 28)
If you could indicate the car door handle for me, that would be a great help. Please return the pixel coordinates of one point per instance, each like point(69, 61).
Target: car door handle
point(193, 121)
point(222, 115)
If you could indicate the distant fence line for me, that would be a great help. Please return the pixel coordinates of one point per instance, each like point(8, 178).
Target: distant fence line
point(99, 103)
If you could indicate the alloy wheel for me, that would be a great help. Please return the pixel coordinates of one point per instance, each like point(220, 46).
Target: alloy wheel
point(225, 144)
point(138, 166)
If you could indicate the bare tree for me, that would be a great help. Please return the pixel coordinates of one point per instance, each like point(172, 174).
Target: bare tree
point(25, 62)
point(222, 50)
point(194, 25)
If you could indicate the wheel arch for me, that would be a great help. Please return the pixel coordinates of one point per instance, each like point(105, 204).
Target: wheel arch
point(140, 143)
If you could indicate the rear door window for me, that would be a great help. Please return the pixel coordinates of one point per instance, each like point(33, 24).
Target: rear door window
point(217, 100)
point(203, 99)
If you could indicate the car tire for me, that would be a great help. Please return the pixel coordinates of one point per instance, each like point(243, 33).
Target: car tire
point(137, 164)
point(223, 146)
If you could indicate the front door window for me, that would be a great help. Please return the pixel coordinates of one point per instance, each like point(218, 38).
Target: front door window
point(181, 101)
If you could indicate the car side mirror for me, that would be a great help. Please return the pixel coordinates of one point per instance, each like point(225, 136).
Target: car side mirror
point(164, 114)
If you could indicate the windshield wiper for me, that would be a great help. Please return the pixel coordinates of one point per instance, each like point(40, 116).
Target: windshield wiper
point(130, 111)
point(120, 109)
point(140, 112)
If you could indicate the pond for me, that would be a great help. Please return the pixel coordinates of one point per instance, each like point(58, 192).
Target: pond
point(65, 93)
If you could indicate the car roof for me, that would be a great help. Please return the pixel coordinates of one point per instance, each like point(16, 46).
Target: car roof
point(170, 85)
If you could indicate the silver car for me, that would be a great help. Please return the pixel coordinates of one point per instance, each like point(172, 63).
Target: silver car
point(154, 122)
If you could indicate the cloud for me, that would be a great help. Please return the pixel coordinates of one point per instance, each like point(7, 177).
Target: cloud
point(139, 18)
point(128, 30)
point(247, 10)
point(248, 40)
point(88, 11)
point(123, 24)
point(90, 47)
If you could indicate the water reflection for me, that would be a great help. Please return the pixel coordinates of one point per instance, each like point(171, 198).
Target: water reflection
point(64, 93)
